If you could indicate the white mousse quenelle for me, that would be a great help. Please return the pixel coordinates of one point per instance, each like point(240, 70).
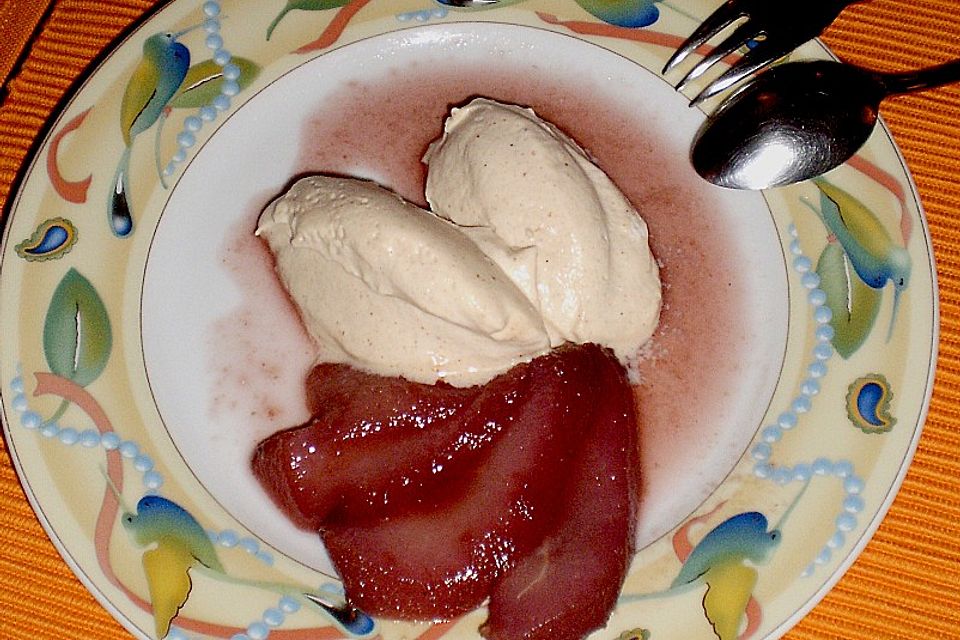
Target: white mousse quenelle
point(528, 245)
point(391, 289)
point(533, 200)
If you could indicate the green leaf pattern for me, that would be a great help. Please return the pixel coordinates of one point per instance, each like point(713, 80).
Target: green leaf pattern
point(853, 304)
point(77, 338)
point(303, 5)
point(205, 79)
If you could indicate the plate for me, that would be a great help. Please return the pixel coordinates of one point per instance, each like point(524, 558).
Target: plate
point(147, 345)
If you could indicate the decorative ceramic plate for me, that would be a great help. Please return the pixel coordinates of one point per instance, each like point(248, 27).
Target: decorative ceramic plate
point(147, 346)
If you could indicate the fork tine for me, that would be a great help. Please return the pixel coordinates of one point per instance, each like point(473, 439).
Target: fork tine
point(739, 36)
point(714, 24)
point(763, 54)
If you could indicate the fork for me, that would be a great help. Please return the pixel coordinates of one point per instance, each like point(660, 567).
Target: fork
point(777, 27)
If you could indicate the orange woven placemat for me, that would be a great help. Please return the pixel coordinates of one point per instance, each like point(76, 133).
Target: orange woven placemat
point(907, 582)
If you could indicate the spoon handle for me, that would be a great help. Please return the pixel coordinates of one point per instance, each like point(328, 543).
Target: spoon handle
point(921, 79)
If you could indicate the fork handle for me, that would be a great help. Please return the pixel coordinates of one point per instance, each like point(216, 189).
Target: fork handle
point(921, 79)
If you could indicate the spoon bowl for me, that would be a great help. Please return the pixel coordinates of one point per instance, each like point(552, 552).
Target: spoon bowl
point(799, 120)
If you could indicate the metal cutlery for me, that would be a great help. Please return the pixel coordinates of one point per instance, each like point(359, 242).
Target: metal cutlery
point(771, 29)
point(799, 120)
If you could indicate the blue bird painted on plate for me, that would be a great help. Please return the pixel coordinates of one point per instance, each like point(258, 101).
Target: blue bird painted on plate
point(175, 543)
point(740, 537)
point(719, 561)
point(873, 253)
point(631, 14)
point(153, 83)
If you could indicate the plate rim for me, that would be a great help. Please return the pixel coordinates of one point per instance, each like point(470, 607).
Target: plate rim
point(57, 113)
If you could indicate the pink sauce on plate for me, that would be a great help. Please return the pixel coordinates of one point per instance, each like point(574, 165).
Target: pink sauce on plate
point(379, 130)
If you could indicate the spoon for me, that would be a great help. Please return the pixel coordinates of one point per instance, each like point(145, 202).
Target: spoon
point(798, 120)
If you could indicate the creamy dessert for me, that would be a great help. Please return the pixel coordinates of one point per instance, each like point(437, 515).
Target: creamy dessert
point(528, 245)
point(534, 202)
point(473, 431)
point(389, 288)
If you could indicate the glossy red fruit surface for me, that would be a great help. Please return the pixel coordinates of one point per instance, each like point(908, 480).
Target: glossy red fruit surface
point(432, 499)
point(367, 435)
point(568, 586)
point(440, 559)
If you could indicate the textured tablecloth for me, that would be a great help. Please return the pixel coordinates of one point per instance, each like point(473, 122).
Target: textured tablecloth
point(907, 582)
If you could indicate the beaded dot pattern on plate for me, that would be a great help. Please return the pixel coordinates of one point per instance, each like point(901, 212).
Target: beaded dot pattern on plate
point(763, 451)
point(229, 88)
point(152, 481)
